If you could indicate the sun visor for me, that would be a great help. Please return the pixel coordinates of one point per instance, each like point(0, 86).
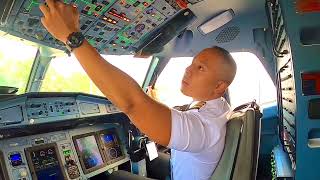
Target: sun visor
point(155, 41)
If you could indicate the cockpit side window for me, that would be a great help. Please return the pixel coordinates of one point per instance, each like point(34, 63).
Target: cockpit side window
point(251, 82)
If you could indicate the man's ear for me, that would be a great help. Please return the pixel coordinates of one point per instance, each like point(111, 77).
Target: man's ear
point(222, 87)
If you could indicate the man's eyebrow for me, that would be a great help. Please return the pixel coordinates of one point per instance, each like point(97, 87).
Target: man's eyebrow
point(205, 64)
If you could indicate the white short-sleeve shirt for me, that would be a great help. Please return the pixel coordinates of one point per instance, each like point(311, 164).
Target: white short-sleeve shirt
point(197, 140)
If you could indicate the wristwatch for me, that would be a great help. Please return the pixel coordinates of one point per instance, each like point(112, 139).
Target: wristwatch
point(74, 40)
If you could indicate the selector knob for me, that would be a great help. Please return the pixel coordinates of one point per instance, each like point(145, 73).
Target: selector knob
point(113, 153)
point(71, 162)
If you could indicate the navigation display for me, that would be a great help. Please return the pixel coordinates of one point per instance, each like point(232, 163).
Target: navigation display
point(89, 153)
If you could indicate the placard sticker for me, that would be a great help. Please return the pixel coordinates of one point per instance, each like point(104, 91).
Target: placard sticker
point(152, 151)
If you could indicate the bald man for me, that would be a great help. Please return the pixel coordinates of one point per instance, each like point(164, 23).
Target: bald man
point(196, 136)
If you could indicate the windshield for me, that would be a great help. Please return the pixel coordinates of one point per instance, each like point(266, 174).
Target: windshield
point(65, 74)
point(16, 58)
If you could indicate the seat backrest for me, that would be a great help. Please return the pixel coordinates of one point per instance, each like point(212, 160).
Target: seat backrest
point(224, 170)
point(240, 155)
point(248, 152)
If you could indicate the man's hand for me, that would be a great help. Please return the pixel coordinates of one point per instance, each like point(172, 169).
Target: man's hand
point(60, 19)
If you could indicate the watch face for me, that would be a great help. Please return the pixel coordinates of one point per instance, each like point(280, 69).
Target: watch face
point(75, 39)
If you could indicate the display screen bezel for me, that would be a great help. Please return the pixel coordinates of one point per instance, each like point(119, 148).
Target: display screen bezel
point(114, 132)
point(39, 147)
point(84, 169)
point(15, 154)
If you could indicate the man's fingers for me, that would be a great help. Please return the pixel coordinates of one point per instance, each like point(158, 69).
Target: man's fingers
point(44, 9)
point(74, 8)
point(51, 4)
point(60, 4)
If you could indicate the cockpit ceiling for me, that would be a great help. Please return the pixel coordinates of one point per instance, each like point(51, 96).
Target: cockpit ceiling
point(127, 26)
point(237, 35)
point(111, 26)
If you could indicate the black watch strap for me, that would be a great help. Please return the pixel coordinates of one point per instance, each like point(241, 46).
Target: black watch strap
point(74, 40)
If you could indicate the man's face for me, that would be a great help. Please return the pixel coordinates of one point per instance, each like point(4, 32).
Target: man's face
point(200, 79)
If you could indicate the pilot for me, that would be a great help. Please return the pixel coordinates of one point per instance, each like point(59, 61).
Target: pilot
point(196, 136)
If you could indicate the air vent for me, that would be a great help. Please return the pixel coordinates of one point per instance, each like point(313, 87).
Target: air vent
point(228, 34)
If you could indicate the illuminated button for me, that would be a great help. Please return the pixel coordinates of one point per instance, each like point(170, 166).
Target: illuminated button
point(136, 4)
point(39, 36)
point(31, 121)
point(23, 173)
point(98, 8)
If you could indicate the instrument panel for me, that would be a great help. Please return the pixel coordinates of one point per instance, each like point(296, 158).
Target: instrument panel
point(42, 108)
point(71, 154)
point(111, 26)
point(49, 148)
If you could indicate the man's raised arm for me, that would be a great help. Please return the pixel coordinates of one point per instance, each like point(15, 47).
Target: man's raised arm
point(151, 117)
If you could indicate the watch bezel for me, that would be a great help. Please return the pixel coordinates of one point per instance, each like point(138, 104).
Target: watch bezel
point(74, 40)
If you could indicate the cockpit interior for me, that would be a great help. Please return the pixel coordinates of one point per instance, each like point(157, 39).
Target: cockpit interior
point(56, 127)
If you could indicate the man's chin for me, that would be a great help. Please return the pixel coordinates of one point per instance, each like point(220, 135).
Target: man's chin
point(184, 92)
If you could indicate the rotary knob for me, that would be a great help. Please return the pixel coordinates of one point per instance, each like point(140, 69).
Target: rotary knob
point(113, 153)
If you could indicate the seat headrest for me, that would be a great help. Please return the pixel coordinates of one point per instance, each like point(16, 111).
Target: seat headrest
point(241, 110)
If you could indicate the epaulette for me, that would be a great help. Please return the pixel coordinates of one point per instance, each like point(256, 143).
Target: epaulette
point(198, 106)
point(187, 107)
point(182, 108)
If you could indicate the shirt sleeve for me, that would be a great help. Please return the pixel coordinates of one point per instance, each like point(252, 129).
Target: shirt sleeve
point(190, 134)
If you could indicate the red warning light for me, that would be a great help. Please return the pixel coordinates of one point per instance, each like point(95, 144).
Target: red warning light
point(305, 6)
point(311, 83)
point(182, 4)
point(146, 4)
